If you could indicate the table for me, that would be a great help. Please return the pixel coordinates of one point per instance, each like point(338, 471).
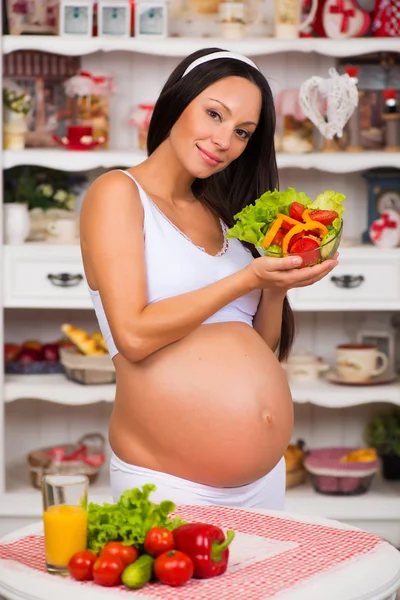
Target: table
point(274, 555)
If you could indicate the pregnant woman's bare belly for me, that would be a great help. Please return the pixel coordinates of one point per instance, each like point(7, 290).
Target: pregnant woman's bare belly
point(214, 408)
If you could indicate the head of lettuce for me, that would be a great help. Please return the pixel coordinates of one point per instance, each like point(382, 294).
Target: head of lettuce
point(280, 221)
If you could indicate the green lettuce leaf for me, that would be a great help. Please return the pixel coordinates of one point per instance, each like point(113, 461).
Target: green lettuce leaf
point(129, 519)
point(254, 220)
point(330, 200)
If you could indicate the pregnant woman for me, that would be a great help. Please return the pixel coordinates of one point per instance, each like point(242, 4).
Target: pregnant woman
point(192, 320)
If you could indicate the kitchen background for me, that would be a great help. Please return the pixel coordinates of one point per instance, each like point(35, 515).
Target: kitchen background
point(79, 80)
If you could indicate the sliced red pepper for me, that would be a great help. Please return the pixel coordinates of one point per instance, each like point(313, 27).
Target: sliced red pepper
point(206, 545)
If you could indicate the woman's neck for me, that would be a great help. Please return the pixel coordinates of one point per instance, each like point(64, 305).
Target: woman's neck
point(166, 176)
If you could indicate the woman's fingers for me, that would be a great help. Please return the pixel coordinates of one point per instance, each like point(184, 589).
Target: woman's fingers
point(310, 275)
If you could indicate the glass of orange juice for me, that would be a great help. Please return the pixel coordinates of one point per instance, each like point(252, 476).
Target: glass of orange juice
point(64, 519)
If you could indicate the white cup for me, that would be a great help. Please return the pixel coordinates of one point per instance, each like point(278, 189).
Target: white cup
point(63, 230)
point(359, 362)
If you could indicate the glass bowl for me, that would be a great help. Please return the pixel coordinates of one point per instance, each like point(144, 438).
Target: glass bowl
point(311, 257)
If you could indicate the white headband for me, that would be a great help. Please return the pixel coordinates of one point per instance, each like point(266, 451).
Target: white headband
point(215, 55)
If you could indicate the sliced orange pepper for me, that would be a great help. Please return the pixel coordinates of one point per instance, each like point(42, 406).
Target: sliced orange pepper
point(296, 229)
point(315, 224)
point(288, 219)
point(271, 233)
point(309, 225)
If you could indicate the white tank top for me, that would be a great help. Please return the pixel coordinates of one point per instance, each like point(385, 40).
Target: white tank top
point(175, 265)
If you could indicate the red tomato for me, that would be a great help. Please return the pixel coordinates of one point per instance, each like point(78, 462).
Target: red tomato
point(107, 570)
point(128, 554)
point(280, 234)
point(293, 239)
point(308, 248)
point(326, 217)
point(80, 565)
point(173, 568)
point(296, 209)
point(285, 225)
point(158, 540)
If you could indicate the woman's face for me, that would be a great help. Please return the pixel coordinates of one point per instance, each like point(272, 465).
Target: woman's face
point(216, 126)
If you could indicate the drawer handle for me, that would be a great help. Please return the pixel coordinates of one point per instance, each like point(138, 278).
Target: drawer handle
point(65, 279)
point(347, 281)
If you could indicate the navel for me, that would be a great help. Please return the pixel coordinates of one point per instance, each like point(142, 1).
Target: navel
point(266, 417)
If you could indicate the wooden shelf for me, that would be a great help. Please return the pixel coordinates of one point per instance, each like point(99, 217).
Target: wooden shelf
point(55, 388)
point(180, 46)
point(58, 158)
point(59, 389)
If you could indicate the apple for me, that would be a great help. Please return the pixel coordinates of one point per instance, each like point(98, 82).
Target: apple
point(50, 352)
point(34, 344)
point(28, 355)
point(10, 352)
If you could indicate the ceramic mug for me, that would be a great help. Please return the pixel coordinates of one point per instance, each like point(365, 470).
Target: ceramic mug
point(359, 362)
point(63, 230)
point(288, 23)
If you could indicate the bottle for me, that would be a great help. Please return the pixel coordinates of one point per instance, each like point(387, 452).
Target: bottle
point(391, 116)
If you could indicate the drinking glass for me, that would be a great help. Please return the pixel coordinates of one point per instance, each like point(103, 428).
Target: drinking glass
point(64, 519)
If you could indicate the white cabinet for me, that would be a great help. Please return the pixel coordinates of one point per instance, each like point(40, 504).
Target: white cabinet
point(365, 279)
point(41, 410)
point(44, 276)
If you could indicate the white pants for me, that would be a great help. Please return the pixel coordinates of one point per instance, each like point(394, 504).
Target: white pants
point(267, 492)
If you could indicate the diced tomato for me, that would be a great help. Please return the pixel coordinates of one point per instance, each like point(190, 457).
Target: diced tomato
point(296, 209)
point(308, 248)
point(326, 217)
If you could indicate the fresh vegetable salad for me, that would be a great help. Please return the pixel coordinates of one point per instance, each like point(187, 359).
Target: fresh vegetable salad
point(289, 222)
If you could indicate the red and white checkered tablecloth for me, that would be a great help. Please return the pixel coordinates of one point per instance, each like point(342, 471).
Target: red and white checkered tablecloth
point(269, 555)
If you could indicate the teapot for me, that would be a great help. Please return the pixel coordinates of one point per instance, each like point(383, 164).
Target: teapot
point(304, 367)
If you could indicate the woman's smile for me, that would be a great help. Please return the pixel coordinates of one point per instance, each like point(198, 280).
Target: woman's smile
point(209, 158)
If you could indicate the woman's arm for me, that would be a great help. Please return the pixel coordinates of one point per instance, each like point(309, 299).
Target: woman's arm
point(268, 318)
point(112, 243)
point(113, 251)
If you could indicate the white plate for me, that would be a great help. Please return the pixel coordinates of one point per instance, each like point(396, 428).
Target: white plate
point(383, 379)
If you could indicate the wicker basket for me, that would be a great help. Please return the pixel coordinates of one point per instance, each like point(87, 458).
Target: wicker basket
point(41, 463)
point(87, 369)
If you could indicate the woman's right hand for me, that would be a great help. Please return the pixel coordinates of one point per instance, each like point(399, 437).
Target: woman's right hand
point(284, 273)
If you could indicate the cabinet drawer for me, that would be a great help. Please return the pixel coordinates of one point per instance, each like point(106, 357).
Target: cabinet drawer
point(44, 276)
point(354, 284)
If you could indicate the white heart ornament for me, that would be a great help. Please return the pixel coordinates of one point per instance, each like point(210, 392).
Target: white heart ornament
point(344, 19)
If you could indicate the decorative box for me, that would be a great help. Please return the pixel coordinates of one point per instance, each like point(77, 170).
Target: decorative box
point(151, 19)
point(114, 18)
point(76, 18)
point(34, 18)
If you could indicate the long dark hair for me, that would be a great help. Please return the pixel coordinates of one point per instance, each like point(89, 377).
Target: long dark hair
point(246, 178)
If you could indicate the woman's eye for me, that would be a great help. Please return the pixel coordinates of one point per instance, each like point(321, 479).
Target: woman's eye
point(213, 114)
point(242, 133)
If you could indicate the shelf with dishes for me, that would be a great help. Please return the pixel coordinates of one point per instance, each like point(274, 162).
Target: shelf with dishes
point(56, 158)
point(57, 388)
point(182, 46)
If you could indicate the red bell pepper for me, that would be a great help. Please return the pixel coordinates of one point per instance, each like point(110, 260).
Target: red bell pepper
point(206, 545)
